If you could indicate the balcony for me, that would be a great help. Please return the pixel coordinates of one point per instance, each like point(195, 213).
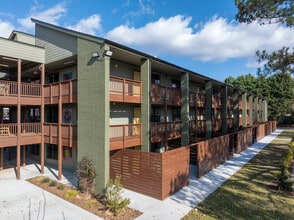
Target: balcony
point(230, 123)
point(197, 127)
point(217, 125)
point(165, 96)
point(197, 99)
point(30, 93)
point(161, 131)
point(30, 133)
point(66, 89)
point(216, 101)
point(124, 136)
point(125, 90)
point(68, 134)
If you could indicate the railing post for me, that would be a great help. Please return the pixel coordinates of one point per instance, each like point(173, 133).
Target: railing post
point(124, 135)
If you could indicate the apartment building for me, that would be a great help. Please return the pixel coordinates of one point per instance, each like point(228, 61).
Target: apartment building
point(65, 95)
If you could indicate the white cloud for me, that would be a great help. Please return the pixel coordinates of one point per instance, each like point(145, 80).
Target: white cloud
point(51, 15)
point(216, 40)
point(88, 25)
point(5, 28)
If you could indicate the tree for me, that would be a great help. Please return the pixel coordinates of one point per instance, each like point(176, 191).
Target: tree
point(266, 11)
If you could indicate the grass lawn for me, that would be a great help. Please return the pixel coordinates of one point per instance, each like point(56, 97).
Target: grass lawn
point(251, 193)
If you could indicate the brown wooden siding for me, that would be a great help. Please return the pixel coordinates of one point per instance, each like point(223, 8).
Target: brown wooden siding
point(152, 174)
point(125, 90)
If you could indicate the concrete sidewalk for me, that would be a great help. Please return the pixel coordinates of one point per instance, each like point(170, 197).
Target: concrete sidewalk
point(179, 204)
point(21, 200)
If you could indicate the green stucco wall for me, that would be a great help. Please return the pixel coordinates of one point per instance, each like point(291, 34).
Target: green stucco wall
point(93, 108)
point(145, 106)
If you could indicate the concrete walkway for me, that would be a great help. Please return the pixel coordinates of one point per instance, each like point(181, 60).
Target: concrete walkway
point(22, 200)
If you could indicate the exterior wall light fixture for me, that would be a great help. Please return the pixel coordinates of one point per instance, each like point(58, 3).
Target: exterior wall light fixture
point(108, 53)
point(95, 54)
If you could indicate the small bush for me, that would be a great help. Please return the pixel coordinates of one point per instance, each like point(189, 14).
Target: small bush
point(53, 183)
point(113, 198)
point(45, 180)
point(71, 193)
point(284, 178)
point(60, 187)
point(90, 203)
point(86, 176)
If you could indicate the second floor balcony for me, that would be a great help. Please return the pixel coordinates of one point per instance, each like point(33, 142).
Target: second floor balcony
point(125, 90)
point(29, 133)
point(161, 131)
point(125, 136)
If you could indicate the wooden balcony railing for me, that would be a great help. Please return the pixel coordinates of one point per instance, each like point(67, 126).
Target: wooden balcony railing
point(198, 127)
point(216, 101)
point(124, 136)
point(125, 90)
point(10, 88)
point(165, 95)
point(197, 99)
point(68, 134)
point(217, 125)
point(66, 89)
point(165, 130)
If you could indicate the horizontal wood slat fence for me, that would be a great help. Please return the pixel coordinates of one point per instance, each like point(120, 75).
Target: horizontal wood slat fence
point(152, 174)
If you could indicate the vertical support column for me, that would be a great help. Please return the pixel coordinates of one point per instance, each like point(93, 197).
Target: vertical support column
point(235, 100)
point(1, 158)
point(18, 118)
point(42, 150)
point(146, 103)
point(208, 107)
point(264, 111)
point(260, 112)
point(255, 114)
point(244, 110)
point(185, 108)
point(60, 133)
point(250, 110)
point(224, 109)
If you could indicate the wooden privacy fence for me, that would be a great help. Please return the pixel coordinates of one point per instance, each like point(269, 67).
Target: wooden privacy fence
point(153, 174)
point(211, 153)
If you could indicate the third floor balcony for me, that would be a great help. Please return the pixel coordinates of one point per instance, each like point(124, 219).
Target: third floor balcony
point(162, 95)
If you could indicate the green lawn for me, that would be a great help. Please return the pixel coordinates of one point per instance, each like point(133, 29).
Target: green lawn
point(250, 193)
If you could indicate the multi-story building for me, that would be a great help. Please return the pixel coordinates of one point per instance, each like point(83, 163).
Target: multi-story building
point(65, 95)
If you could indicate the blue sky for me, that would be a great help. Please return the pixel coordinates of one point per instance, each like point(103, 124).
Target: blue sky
point(198, 35)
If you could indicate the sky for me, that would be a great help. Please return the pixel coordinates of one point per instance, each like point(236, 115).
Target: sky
point(199, 35)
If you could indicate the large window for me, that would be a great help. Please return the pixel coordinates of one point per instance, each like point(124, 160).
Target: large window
point(155, 79)
point(155, 114)
point(51, 113)
point(52, 151)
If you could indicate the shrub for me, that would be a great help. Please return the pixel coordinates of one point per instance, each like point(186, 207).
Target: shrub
point(60, 187)
point(86, 176)
point(71, 193)
point(113, 198)
point(284, 178)
point(45, 180)
point(53, 183)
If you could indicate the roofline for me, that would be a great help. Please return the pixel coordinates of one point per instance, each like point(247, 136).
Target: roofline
point(68, 31)
point(21, 32)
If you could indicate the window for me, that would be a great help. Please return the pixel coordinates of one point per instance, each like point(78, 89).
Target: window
point(155, 79)
point(51, 113)
point(52, 151)
point(176, 114)
point(176, 83)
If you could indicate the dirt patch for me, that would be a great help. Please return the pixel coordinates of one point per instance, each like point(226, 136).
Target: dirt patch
point(86, 202)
